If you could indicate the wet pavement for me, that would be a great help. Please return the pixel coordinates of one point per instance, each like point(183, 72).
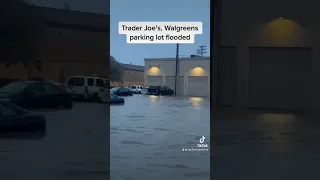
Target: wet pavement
point(148, 134)
point(266, 146)
point(147, 137)
point(75, 148)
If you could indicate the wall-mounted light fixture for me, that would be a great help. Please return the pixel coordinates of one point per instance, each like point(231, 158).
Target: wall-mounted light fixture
point(154, 71)
point(197, 71)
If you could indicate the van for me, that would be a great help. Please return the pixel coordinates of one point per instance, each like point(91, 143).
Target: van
point(87, 88)
point(136, 89)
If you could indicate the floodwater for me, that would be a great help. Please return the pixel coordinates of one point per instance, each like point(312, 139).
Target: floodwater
point(148, 133)
point(75, 148)
point(266, 146)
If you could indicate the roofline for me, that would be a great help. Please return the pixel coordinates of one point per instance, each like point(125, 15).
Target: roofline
point(76, 27)
point(173, 59)
point(74, 11)
point(134, 69)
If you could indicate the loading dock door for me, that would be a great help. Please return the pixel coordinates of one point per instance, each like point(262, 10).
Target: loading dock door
point(198, 86)
point(154, 80)
point(170, 82)
point(280, 78)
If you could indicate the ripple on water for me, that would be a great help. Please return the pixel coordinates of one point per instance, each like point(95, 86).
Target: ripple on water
point(130, 142)
point(131, 130)
point(162, 129)
point(174, 166)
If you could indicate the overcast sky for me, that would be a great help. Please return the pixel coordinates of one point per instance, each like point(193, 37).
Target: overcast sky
point(144, 10)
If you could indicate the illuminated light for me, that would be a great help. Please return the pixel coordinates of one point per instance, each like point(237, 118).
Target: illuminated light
point(198, 71)
point(281, 31)
point(154, 71)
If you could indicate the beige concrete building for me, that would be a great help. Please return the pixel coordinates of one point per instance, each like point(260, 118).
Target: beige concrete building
point(74, 43)
point(193, 77)
point(132, 75)
point(268, 54)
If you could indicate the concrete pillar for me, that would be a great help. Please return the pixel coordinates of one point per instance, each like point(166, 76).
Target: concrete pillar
point(242, 76)
point(164, 80)
point(185, 84)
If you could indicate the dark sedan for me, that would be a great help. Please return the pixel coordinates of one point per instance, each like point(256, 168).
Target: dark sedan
point(35, 94)
point(20, 123)
point(121, 91)
point(116, 100)
point(160, 90)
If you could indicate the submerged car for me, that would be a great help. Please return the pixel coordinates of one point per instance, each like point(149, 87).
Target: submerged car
point(121, 91)
point(19, 122)
point(115, 99)
point(35, 94)
point(160, 90)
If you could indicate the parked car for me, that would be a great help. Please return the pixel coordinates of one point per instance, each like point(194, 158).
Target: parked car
point(160, 90)
point(86, 87)
point(61, 86)
point(5, 81)
point(19, 122)
point(136, 89)
point(115, 99)
point(121, 91)
point(145, 90)
point(35, 94)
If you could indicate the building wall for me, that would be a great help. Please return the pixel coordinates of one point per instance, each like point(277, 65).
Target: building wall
point(285, 23)
point(73, 51)
point(167, 67)
point(131, 77)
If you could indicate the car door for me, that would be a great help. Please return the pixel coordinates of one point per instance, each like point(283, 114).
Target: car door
point(54, 96)
point(35, 96)
point(76, 86)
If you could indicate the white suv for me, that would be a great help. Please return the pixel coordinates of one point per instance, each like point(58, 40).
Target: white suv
point(87, 88)
point(136, 89)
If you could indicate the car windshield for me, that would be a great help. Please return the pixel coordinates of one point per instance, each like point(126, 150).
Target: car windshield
point(14, 87)
point(114, 89)
point(133, 87)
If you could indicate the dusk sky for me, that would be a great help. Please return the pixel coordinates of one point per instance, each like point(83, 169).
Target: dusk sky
point(145, 10)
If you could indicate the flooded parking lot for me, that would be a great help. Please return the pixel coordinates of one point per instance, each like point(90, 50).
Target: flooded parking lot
point(266, 146)
point(147, 137)
point(148, 134)
point(75, 148)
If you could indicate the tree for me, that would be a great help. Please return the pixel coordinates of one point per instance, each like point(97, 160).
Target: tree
point(21, 32)
point(116, 70)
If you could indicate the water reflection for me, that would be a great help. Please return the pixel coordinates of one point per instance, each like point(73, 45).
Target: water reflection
point(196, 102)
point(283, 144)
point(149, 132)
